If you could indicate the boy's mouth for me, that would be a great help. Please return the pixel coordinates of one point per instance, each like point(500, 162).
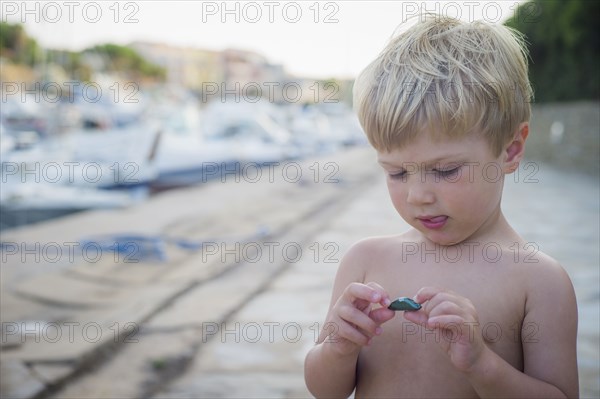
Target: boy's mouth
point(433, 222)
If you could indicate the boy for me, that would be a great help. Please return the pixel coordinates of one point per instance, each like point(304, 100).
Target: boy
point(446, 106)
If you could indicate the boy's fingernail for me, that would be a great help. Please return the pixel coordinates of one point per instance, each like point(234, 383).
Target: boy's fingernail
point(376, 297)
point(378, 331)
point(387, 302)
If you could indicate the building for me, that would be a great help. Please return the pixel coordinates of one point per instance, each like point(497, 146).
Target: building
point(186, 67)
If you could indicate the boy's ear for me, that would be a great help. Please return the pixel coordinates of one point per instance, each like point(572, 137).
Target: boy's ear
point(515, 149)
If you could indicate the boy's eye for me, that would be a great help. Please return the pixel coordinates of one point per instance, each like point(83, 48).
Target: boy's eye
point(397, 175)
point(447, 172)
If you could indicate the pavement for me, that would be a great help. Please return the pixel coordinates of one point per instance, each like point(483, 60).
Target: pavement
point(234, 318)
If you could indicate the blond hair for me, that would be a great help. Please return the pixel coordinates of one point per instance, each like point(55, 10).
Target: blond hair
point(448, 78)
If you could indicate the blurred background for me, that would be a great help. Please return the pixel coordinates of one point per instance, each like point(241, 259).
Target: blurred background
point(146, 129)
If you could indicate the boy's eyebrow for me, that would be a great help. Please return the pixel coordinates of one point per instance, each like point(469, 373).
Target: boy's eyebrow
point(379, 161)
point(454, 158)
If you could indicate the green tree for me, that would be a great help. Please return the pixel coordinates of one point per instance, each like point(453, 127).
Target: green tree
point(17, 46)
point(564, 47)
point(125, 59)
point(72, 63)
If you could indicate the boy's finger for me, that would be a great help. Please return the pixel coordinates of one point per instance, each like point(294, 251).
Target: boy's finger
point(347, 331)
point(445, 308)
point(381, 315)
point(445, 321)
point(359, 319)
point(426, 293)
point(385, 298)
point(362, 291)
point(418, 317)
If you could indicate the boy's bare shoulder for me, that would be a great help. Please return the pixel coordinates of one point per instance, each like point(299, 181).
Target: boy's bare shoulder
point(542, 268)
point(546, 281)
point(372, 251)
point(378, 245)
point(369, 245)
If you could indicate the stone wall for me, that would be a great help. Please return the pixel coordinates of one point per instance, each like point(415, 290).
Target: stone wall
point(566, 135)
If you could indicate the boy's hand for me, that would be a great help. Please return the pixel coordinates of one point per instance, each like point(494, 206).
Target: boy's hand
point(353, 321)
point(457, 318)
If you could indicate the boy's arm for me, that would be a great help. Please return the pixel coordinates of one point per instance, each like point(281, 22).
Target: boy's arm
point(549, 339)
point(328, 375)
point(330, 366)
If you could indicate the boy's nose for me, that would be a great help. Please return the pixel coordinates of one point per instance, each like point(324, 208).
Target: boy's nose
point(419, 194)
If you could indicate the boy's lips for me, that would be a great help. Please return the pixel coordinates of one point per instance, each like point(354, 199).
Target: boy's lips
point(433, 222)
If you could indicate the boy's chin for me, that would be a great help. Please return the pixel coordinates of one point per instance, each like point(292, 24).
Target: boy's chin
point(442, 238)
point(446, 243)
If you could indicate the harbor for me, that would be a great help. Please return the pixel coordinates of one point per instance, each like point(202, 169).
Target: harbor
point(118, 154)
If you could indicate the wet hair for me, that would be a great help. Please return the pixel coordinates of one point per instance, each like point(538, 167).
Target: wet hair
point(447, 78)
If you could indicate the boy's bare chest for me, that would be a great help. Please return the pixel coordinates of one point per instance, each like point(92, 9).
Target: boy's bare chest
point(497, 291)
point(499, 299)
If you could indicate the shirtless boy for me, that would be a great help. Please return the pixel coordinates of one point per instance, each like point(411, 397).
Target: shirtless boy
point(446, 106)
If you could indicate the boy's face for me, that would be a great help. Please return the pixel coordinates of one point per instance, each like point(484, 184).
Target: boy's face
point(449, 190)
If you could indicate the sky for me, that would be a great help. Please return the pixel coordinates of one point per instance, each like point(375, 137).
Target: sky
point(311, 39)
